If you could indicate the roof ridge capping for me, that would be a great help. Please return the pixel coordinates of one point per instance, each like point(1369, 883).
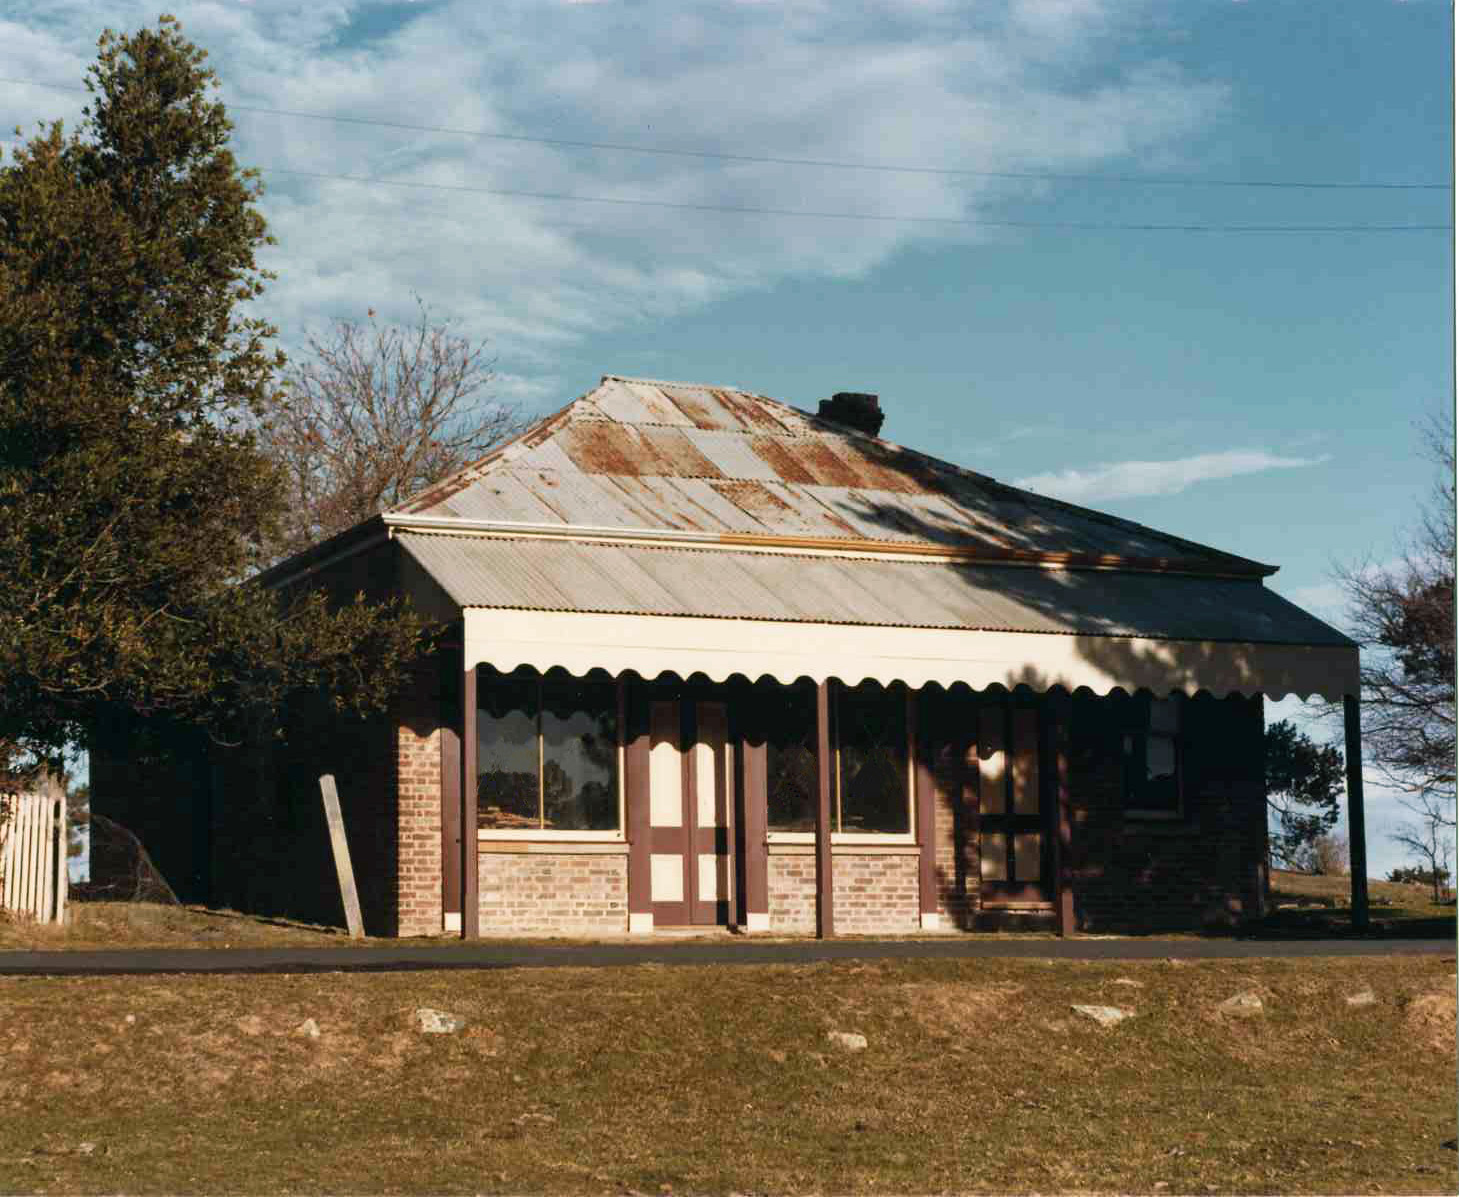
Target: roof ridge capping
point(667, 382)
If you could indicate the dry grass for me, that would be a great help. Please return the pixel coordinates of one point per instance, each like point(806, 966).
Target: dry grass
point(1305, 905)
point(650, 1079)
point(1383, 896)
point(153, 925)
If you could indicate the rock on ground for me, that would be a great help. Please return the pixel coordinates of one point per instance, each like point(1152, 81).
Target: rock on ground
point(308, 1028)
point(1364, 997)
point(1105, 1016)
point(438, 1022)
point(849, 1040)
point(1242, 1005)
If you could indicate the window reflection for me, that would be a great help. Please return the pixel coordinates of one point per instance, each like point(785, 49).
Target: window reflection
point(579, 756)
point(869, 741)
point(790, 756)
point(872, 741)
point(547, 753)
point(506, 752)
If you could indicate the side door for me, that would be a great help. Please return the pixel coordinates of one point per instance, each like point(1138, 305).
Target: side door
point(1012, 821)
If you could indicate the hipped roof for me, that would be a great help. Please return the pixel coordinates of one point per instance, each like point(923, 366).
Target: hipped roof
point(654, 527)
point(730, 465)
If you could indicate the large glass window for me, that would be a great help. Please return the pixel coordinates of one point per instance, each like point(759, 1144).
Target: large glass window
point(1152, 758)
point(790, 756)
point(872, 792)
point(871, 760)
point(547, 753)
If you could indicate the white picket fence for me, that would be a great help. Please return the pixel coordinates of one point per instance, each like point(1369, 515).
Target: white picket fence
point(33, 868)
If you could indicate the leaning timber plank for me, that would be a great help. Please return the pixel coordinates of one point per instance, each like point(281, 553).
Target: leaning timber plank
point(342, 857)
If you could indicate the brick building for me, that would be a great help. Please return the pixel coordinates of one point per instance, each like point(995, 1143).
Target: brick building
point(715, 660)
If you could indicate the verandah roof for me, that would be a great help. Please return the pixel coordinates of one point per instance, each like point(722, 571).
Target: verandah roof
point(579, 604)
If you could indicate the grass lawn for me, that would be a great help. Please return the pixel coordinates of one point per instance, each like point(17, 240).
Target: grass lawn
point(1317, 907)
point(978, 1077)
point(1303, 905)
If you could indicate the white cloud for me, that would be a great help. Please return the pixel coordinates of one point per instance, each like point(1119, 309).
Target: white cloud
point(1141, 479)
point(1014, 86)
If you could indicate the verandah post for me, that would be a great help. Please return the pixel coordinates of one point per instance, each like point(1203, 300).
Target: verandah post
point(825, 914)
point(470, 906)
point(1061, 710)
point(1357, 843)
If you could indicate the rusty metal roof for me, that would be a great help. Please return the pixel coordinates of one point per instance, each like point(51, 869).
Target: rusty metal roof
point(560, 574)
point(640, 454)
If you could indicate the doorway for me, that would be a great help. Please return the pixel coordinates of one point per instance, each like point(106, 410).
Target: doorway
point(690, 802)
point(1013, 819)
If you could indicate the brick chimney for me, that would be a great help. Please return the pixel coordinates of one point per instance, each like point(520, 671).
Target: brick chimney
point(854, 409)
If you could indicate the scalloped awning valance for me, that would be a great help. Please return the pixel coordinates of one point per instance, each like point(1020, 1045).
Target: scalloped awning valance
point(720, 648)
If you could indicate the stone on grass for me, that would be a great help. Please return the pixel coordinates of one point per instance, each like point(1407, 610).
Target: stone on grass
point(849, 1040)
point(1242, 1005)
point(1130, 981)
point(308, 1028)
point(1105, 1016)
point(438, 1022)
point(1364, 997)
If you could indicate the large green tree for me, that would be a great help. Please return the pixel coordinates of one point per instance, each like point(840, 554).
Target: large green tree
point(133, 496)
point(1304, 780)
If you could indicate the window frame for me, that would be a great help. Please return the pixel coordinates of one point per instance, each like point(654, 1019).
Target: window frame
point(564, 835)
point(1135, 760)
point(841, 838)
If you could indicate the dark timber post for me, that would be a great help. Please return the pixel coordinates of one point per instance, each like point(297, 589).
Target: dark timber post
point(470, 903)
point(825, 916)
point(1357, 843)
point(633, 703)
point(922, 742)
point(1061, 711)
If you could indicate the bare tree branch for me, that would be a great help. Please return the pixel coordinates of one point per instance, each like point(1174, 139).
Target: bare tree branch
point(1431, 838)
point(1403, 617)
point(378, 412)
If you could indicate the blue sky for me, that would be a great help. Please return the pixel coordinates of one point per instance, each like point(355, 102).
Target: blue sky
point(1256, 391)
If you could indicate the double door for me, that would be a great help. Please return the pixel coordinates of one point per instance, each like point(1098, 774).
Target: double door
point(690, 788)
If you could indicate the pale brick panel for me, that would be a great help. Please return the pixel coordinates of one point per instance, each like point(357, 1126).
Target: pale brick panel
point(872, 894)
point(552, 894)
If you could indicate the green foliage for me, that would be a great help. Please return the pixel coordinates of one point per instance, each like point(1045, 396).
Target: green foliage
point(1416, 875)
point(1303, 782)
point(133, 496)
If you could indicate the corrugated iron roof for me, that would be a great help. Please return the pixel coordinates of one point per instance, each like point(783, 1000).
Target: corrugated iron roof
point(553, 574)
point(641, 454)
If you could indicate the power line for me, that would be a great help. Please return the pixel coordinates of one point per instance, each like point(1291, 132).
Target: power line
point(871, 216)
point(831, 164)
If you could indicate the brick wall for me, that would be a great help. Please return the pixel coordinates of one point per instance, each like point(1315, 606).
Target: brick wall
point(1200, 870)
point(955, 855)
point(417, 751)
point(1129, 873)
point(244, 827)
point(540, 893)
point(872, 894)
